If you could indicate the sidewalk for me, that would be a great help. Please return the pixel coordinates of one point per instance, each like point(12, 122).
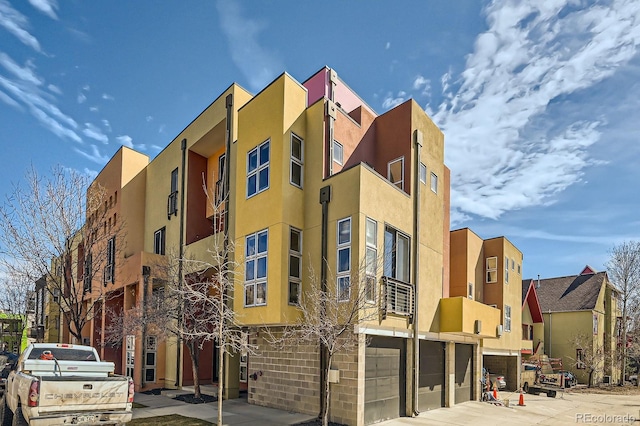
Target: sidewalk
point(234, 411)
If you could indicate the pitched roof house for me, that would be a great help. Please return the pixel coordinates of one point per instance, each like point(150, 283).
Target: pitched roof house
point(581, 310)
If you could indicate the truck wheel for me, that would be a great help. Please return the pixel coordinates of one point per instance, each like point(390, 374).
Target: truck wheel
point(6, 416)
point(18, 418)
point(525, 387)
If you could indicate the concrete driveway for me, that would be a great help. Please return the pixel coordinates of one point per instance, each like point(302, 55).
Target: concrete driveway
point(565, 409)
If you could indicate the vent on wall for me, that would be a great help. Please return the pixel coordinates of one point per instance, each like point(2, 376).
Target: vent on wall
point(477, 327)
point(499, 330)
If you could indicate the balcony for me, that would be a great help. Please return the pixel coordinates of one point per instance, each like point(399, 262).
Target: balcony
point(398, 297)
point(461, 315)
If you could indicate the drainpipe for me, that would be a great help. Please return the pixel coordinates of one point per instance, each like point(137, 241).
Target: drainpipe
point(227, 164)
point(181, 249)
point(416, 269)
point(325, 197)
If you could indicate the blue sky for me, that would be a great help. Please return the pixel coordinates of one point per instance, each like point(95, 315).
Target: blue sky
point(539, 101)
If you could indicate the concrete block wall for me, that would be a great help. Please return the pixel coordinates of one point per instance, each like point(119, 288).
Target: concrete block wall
point(286, 379)
point(290, 379)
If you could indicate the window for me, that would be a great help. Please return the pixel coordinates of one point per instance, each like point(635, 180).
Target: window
point(172, 202)
point(513, 264)
point(580, 364)
point(396, 254)
point(423, 173)
point(343, 257)
point(470, 291)
point(506, 270)
point(258, 169)
point(130, 354)
point(337, 152)
point(519, 268)
point(434, 182)
point(255, 280)
point(87, 273)
point(296, 161)
point(371, 259)
point(395, 172)
point(159, 241)
point(220, 190)
point(109, 269)
point(150, 359)
point(295, 265)
point(492, 269)
point(595, 324)
point(507, 318)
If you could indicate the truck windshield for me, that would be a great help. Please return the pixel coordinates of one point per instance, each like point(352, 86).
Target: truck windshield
point(64, 354)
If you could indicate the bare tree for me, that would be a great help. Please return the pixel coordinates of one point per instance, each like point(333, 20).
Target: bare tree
point(61, 228)
point(589, 357)
point(330, 320)
point(623, 269)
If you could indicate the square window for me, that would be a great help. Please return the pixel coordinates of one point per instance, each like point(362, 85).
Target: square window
point(258, 169)
point(337, 152)
point(294, 293)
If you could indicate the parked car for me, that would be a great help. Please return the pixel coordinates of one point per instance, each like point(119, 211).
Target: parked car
point(497, 380)
point(569, 379)
point(7, 363)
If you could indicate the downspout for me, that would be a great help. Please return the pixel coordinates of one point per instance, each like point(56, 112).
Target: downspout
point(227, 204)
point(416, 270)
point(181, 250)
point(325, 198)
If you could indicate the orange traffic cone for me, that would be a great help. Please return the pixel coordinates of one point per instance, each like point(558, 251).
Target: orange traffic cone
point(495, 393)
point(521, 401)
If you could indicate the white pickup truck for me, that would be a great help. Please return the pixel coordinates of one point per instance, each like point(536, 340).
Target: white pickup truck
point(61, 384)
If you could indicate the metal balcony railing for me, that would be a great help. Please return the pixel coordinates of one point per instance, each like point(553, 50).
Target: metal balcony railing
point(398, 297)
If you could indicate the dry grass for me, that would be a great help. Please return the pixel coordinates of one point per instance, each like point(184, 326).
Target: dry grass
point(173, 420)
point(609, 390)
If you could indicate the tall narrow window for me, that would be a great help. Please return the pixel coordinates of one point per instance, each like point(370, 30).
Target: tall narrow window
point(295, 265)
point(87, 274)
point(172, 202)
point(344, 258)
point(296, 161)
point(492, 270)
point(338, 152)
point(470, 291)
point(434, 182)
point(109, 269)
point(580, 364)
point(371, 257)
point(395, 172)
point(150, 359)
point(258, 169)
point(220, 190)
point(159, 241)
point(255, 280)
point(507, 318)
point(423, 173)
point(506, 270)
point(396, 255)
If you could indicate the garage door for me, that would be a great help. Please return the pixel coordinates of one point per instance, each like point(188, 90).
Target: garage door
point(431, 381)
point(464, 373)
point(384, 395)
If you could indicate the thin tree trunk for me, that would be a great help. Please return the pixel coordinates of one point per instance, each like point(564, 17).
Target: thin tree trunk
point(327, 392)
point(220, 377)
point(195, 365)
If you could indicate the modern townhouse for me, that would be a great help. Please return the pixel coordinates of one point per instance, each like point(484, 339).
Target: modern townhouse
point(490, 271)
point(316, 181)
point(532, 321)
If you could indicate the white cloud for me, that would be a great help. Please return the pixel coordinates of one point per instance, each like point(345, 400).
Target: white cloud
point(504, 149)
point(161, 128)
point(148, 118)
point(26, 73)
point(81, 98)
point(387, 46)
point(55, 89)
point(48, 7)
point(257, 64)
point(94, 109)
point(391, 101)
point(94, 155)
point(16, 23)
point(94, 132)
point(125, 140)
point(107, 97)
point(106, 124)
point(422, 84)
point(9, 101)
